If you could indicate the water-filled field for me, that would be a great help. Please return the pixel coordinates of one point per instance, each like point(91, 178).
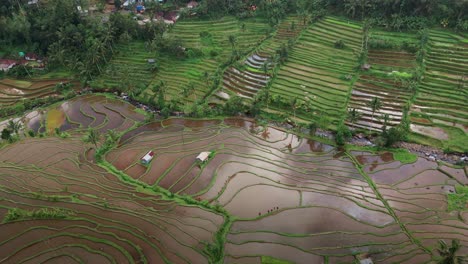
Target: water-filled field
point(262, 192)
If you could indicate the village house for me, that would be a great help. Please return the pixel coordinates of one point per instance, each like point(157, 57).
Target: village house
point(192, 4)
point(31, 56)
point(6, 64)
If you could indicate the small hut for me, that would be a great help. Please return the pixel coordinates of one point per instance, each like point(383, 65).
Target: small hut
point(366, 261)
point(192, 4)
point(366, 67)
point(202, 157)
point(148, 157)
point(31, 56)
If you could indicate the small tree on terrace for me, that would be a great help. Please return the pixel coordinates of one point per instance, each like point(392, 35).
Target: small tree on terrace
point(448, 254)
point(385, 119)
point(112, 136)
point(353, 116)
point(92, 136)
point(265, 68)
point(6, 135)
point(375, 104)
point(233, 41)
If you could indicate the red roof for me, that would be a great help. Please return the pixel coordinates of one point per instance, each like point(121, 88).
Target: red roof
point(192, 4)
point(31, 55)
point(171, 16)
point(7, 61)
point(151, 153)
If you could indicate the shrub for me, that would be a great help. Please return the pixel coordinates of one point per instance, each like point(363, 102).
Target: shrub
point(339, 44)
point(458, 200)
point(205, 34)
point(214, 53)
point(31, 133)
point(342, 135)
point(14, 214)
point(393, 135)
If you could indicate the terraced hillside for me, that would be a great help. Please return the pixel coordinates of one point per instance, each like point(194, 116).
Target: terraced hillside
point(57, 206)
point(12, 91)
point(417, 194)
point(129, 68)
point(83, 112)
point(212, 39)
point(262, 193)
point(279, 188)
point(382, 81)
point(253, 75)
point(317, 73)
point(441, 107)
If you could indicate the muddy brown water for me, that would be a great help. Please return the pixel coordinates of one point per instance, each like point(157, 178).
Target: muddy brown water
point(250, 174)
point(196, 223)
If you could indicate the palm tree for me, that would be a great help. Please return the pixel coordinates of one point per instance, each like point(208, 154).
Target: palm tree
point(14, 126)
point(233, 41)
point(163, 89)
point(351, 6)
point(112, 136)
point(188, 90)
point(353, 116)
point(296, 103)
point(447, 253)
point(92, 136)
point(265, 68)
point(108, 38)
point(385, 118)
point(375, 104)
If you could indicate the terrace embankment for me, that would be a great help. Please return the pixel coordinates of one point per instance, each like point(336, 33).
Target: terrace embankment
point(318, 74)
point(439, 113)
point(13, 91)
point(290, 198)
point(384, 81)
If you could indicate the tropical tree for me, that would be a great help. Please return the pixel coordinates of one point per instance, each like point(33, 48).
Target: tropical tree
point(112, 136)
point(6, 134)
point(353, 116)
point(265, 68)
point(233, 41)
point(92, 136)
point(448, 254)
point(375, 104)
point(188, 90)
point(385, 119)
point(296, 104)
point(365, 35)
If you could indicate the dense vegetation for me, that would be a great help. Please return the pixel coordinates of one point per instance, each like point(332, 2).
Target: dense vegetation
point(248, 57)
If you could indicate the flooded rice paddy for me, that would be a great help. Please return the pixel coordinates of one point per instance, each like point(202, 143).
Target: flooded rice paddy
point(288, 197)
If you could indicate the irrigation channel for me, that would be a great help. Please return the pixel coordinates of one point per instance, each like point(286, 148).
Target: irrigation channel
point(263, 192)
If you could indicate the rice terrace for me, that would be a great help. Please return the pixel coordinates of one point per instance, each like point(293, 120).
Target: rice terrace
point(240, 131)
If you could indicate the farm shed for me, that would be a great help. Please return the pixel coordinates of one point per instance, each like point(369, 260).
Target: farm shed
point(31, 56)
point(366, 261)
point(203, 156)
point(192, 4)
point(148, 157)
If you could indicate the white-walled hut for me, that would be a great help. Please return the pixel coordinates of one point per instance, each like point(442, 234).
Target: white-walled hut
point(148, 157)
point(366, 261)
point(202, 157)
